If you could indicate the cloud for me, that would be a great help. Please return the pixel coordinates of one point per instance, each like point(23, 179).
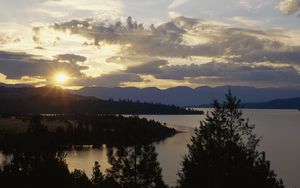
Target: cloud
point(36, 35)
point(183, 50)
point(247, 22)
point(17, 65)
point(177, 3)
point(71, 58)
point(260, 77)
point(108, 80)
point(152, 41)
point(290, 55)
point(163, 40)
point(254, 4)
point(170, 39)
point(152, 67)
point(236, 73)
point(51, 13)
point(150, 51)
point(6, 39)
point(289, 6)
point(225, 73)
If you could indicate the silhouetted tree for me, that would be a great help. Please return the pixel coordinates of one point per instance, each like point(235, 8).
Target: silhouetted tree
point(36, 162)
point(80, 179)
point(38, 169)
point(97, 176)
point(223, 152)
point(39, 162)
point(135, 167)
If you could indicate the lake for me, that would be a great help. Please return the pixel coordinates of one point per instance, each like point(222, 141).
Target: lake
point(279, 130)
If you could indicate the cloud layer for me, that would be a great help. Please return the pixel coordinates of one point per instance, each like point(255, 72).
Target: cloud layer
point(233, 55)
point(289, 6)
point(97, 45)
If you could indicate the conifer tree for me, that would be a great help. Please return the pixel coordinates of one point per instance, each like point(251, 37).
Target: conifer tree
point(97, 176)
point(223, 152)
point(135, 167)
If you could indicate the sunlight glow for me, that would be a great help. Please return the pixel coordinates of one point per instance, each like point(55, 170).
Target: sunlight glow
point(61, 78)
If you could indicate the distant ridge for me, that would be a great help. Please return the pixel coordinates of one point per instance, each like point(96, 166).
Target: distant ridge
point(185, 96)
point(54, 100)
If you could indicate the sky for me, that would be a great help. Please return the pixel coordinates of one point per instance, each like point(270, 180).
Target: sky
point(150, 43)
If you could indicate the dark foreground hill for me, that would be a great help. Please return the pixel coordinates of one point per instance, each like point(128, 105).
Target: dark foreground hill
point(44, 100)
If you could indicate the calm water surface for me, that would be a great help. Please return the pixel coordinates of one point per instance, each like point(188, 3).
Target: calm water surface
point(279, 129)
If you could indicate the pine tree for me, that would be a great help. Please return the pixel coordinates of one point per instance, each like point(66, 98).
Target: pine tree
point(80, 179)
point(135, 167)
point(97, 176)
point(223, 152)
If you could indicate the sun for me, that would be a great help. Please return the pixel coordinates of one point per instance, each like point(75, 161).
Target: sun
point(61, 78)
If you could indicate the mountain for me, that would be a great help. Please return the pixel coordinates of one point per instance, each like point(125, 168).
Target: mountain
point(49, 100)
point(185, 96)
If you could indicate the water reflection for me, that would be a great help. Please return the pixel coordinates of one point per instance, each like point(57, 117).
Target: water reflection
point(85, 158)
point(2, 158)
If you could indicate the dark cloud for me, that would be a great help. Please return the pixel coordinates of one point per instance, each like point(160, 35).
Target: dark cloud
point(152, 67)
point(288, 56)
point(108, 80)
point(36, 35)
point(72, 58)
point(16, 65)
point(162, 40)
point(236, 73)
point(226, 73)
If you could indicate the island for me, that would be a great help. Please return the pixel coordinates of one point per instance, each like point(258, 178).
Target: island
point(20, 132)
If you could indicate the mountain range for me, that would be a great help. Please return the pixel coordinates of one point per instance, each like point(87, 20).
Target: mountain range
point(135, 100)
point(185, 96)
point(54, 100)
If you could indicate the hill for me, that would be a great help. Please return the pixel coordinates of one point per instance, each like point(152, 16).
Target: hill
point(292, 103)
point(54, 100)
